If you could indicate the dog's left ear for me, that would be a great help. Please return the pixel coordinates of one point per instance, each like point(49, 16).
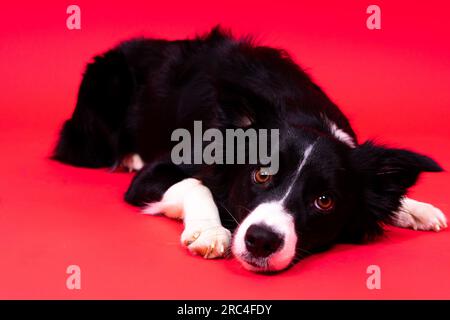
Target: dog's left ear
point(384, 176)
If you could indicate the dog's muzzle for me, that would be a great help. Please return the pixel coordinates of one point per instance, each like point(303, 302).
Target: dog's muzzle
point(266, 240)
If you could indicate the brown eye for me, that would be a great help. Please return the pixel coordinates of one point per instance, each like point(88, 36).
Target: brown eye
point(260, 176)
point(324, 202)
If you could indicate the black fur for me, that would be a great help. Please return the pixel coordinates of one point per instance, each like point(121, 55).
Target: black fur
point(133, 97)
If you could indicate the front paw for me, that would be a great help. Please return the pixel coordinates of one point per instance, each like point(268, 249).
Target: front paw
point(209, 242)
point(420, 216)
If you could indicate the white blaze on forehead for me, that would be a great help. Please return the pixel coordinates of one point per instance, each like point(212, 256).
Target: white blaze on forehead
point(338, 133)
point(306, 155)
point(273, 215)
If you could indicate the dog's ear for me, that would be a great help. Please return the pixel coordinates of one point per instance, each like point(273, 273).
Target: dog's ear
point(384, 176)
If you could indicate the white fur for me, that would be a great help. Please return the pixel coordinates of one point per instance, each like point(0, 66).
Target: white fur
point(339, 134)
point(306, 155)
point(133, 162)
point(419, 216)
point(274, 215)
point(203, 233)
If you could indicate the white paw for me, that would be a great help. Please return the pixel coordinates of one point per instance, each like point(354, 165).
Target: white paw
point(420, 216)
point(209, 242)
point(132, 162)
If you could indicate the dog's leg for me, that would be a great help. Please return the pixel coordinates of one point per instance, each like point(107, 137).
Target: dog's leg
point(193, 202)
point(150, 183)
point(419, 216)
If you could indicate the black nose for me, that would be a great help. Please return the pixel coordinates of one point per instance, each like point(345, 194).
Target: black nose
point(261, 241)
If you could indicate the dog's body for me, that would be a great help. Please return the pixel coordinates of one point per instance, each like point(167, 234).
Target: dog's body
point(329, 188)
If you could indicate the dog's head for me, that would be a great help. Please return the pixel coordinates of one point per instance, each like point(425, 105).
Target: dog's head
point(328, 187)
point(325, 191)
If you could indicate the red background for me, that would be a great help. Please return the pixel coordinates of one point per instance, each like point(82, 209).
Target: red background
point(392, 83)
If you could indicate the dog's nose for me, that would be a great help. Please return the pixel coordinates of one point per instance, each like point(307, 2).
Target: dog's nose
point(261, 241)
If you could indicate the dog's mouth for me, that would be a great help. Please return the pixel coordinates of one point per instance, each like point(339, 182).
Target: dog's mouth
point(263, 265)
point(254, 264)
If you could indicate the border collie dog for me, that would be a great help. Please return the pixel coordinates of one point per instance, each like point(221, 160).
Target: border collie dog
point(329, 188)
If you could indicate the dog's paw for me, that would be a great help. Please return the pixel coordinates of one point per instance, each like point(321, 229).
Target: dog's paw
point(132, 162)
point(420, 216)
point(211, 242)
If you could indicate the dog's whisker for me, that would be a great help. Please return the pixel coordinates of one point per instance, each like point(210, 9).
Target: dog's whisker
point(231, 215)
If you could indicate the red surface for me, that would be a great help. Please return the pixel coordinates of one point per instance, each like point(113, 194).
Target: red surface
point(393, 83)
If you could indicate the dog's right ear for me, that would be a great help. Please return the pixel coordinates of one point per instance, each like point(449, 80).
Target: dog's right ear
point(384, 176)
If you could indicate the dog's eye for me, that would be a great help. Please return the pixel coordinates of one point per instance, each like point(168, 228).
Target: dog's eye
point(261, 176)
point(324, 202)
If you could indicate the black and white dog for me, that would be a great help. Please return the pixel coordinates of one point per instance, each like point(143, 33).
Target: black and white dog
point(328, 189)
